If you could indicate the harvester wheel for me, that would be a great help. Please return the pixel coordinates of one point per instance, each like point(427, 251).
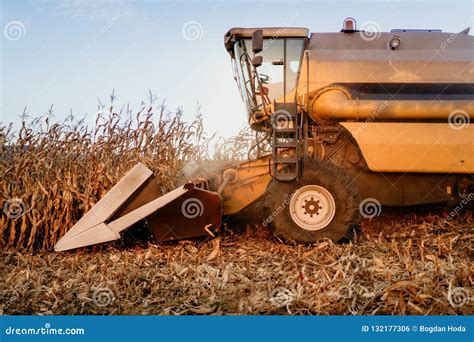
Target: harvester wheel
point(323, 203)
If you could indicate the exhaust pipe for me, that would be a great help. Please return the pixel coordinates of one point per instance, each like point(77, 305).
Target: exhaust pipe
point(337, 104)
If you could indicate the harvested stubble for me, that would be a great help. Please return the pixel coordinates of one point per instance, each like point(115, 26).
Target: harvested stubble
point(389, 269)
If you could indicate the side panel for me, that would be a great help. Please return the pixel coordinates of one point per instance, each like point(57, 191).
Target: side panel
point(415, 147)
point(404, 189)
point(349, 58)
point(252, 181)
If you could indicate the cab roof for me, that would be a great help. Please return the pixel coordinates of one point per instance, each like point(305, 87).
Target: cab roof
point(268, 32)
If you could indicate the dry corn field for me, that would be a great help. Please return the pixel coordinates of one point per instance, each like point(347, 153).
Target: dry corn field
point(397, 263)
point(55, 172)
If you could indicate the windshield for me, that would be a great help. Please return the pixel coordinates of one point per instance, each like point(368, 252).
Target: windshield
point(277, 76)
point(271, 71)
point(294, 53)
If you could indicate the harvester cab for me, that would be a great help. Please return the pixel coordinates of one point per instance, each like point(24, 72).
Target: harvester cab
point(267, 63)
point(355, 120)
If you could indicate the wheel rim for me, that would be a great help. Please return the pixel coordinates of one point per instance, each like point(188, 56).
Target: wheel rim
point(312, 207)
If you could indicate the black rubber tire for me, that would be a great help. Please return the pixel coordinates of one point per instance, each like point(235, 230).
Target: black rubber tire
point(323, 173)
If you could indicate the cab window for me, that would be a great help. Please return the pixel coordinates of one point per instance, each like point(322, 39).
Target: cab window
point(278, 74)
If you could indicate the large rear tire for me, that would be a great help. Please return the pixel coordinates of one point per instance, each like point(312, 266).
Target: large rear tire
point(323, 203)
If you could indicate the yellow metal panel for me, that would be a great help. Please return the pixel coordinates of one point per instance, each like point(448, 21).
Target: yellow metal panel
point(253, 178)
point(415, 147)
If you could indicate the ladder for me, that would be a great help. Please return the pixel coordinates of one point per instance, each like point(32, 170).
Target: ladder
point(286, 138)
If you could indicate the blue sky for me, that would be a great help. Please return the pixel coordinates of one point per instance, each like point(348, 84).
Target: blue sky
point(71, 53)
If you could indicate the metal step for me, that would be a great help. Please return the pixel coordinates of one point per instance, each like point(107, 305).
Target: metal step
point(286, 168)
point(280, 160)
point(285, 177)
point(284, 130)
point(291, 144)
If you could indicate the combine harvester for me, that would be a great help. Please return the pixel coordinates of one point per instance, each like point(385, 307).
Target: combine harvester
point(355, 120)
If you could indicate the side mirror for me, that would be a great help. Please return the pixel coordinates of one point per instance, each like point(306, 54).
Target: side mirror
point(257, 61)
point(257, 41)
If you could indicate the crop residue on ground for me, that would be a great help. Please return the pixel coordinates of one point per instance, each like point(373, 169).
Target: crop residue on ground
point(415, 268)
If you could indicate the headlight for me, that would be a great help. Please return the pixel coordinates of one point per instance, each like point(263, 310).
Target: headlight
point(394, 43)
